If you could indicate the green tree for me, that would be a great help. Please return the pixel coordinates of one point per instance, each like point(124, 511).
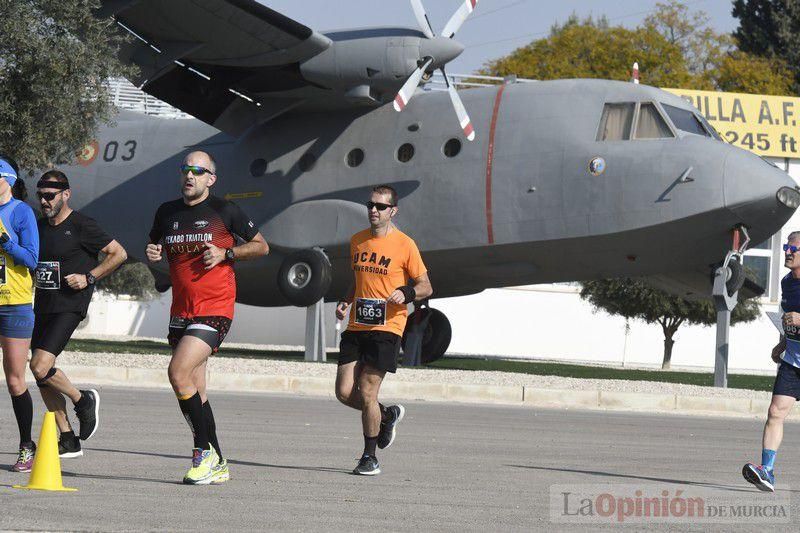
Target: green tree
point(592, 49)
point(54, 59)
point(634, 299)
point(712, 58)
point(131, 279)
point(674, 48)
point(770, 29)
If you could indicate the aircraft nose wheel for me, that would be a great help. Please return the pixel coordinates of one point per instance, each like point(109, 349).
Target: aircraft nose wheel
point(736, 275)
point(305, 277)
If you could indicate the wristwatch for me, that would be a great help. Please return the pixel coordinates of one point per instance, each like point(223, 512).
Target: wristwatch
point(229, 255)
point(90, 279)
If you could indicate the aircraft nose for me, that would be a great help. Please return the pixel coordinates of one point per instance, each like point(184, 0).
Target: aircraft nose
point(441, 49)
point(763, 196)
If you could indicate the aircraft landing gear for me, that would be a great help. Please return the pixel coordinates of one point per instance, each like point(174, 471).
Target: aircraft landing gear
point(427, 336)
point(728, 279)
point(305, 277)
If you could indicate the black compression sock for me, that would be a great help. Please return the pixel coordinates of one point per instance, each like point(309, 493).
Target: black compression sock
point(23, 410)
point(369, 445)
point(211, 427)
point(192, 409)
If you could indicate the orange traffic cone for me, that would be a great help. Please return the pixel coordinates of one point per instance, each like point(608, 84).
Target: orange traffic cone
point(46, 472)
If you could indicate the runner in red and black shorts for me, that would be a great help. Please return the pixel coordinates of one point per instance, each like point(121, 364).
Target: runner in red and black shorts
point(202, 236)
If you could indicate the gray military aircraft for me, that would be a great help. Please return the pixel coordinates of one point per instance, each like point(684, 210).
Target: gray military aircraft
point(565, 180)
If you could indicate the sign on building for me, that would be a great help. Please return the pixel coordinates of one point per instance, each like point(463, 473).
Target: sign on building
point(766, 125)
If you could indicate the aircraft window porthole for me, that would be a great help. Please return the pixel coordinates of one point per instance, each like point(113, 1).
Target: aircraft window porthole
point(307, 162)
point(413, 127)
point(355, 157)
point(258, 168)
point(452, 147)
point(405, 152)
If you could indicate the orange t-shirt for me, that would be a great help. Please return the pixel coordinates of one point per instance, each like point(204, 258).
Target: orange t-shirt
point(380, 265)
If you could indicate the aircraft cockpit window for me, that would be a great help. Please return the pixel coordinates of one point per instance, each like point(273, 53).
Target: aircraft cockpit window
point(685, 120)
point(650, 124)
point(709, 128)
point(615, 124)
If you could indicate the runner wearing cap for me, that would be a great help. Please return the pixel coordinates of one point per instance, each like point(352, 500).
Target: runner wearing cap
point(19, 249)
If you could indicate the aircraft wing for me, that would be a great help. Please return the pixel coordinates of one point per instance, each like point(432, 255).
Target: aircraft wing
point(218, 60)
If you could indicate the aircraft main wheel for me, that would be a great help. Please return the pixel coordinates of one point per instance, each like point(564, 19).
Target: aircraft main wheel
point(305, 277)
point(436, 337)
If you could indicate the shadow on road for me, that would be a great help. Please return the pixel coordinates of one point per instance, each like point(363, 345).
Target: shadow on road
point(230, 461)
point(732, 488)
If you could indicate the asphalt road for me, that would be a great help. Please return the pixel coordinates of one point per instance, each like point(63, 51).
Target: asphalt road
point(453, 467)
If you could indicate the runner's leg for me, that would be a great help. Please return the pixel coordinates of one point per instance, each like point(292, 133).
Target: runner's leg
point(15, 359)
point(189, 354)
point(369, 383)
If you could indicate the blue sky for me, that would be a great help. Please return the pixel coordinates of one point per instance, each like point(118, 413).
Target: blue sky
point(495, 28)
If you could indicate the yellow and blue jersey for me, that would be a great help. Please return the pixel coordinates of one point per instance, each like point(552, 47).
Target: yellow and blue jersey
point(18, 255)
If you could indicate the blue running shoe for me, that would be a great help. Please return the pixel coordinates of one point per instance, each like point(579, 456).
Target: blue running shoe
point(759, 476)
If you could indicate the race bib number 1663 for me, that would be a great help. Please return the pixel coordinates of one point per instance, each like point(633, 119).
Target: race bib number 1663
point(370, 311)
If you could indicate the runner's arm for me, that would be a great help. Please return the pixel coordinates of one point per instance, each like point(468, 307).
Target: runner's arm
point(422, 286)
point(115, 256)
point(256, 247)
point(344, 303)
point(26, 251)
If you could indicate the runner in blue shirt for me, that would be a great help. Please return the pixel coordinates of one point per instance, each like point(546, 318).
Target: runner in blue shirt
point(786, 390)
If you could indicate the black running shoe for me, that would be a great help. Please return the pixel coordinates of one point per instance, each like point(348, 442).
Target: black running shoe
point(389, 429)
point(88, 413)
point(367, 466)
point(69, 447)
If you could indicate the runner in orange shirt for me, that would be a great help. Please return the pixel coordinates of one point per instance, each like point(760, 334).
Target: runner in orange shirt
point(389, 275)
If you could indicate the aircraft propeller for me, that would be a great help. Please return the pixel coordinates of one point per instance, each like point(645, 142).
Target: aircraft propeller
point(443, 48)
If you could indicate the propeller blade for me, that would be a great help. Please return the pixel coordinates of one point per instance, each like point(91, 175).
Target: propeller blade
point(458, 18)
point(422, 18)
point(407, 90)
point(461, 112)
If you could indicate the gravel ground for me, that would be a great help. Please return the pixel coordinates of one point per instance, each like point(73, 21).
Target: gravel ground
point(421, 375)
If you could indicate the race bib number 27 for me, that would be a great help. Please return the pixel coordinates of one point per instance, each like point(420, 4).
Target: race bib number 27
point(370, 311)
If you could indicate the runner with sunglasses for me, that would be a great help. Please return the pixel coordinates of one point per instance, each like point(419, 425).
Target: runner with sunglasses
point(65, 277)
point(786, 390)
point(389, 275)
point(202, 236)
point(19, 248)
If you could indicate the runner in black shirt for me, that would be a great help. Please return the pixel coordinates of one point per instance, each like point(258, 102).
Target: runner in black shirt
point(65, 276)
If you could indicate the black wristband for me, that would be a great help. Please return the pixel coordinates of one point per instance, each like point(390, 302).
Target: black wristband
point(409, 292)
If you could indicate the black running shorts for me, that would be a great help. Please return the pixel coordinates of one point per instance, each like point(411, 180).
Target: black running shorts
point(52, 331)
point(378, 349)
point(209, 329)
point(787, 382)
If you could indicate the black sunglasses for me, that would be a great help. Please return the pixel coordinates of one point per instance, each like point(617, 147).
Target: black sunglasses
point(788, 247)
point(379, 206)
point(194, 169)
point(47, 195)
